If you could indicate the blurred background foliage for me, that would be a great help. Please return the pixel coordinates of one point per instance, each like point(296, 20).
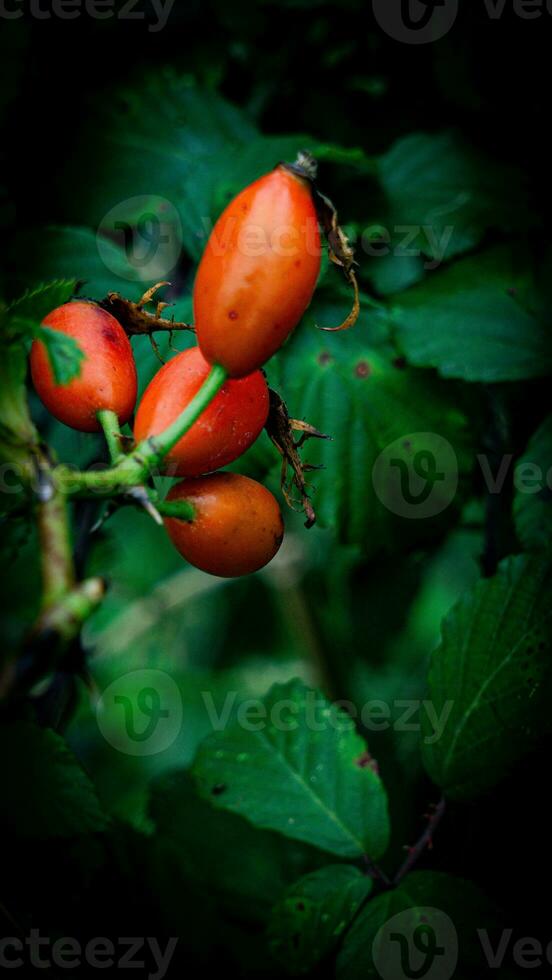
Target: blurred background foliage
point(100, 113)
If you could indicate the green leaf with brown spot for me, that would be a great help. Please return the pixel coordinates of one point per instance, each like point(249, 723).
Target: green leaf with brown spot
point(300, 769)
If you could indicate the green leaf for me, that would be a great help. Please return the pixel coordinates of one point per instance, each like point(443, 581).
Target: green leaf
point(24, 316)
point(490, 678)
point(16, 427)
point(64, 354)
point(323, 787)
point(204, 151)
point(452, 193)
point(469, 323)
point(37, 302)
point(394, 273)
point(73, 253)
point(221, 854)
point(533, 498)
point(384, 419)
point(194, 133)
point(309, 921)
point(382, 942)
point(45, 792)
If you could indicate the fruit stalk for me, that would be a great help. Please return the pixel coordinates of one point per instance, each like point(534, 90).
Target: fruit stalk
point(111, 430)
point(139, 464)
point(166, 440)
point(182, 509)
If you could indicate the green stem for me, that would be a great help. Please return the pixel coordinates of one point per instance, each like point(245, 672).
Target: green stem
point(58, 575)
point(66, 617)
point(111, 430)
point(138, 465)
point(182, 509)
point(166, 440)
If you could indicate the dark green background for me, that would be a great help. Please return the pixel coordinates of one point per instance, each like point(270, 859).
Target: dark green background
point(91, 114)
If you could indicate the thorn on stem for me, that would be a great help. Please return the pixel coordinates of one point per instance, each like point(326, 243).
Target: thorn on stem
point(140, 495)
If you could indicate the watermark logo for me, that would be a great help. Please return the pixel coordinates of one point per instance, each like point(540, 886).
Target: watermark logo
point(416, 476)
point(415, 21)
point(140, 713)
point(148, 231)
point(417, 944)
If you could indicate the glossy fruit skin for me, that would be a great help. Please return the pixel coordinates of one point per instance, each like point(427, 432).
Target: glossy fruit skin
point(258, 272)
point(108, 372)
point(237, 529)
point(224, 431)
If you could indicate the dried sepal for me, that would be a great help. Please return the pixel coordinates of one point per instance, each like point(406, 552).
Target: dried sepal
point(280, 428)
point(340, 252)
point(304, 166)
point(135, 319)
point(339, 248)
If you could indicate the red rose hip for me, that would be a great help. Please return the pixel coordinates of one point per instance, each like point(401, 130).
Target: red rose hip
point(224, 431)
point(107, 378)
point(237, 527)
point(258, 272)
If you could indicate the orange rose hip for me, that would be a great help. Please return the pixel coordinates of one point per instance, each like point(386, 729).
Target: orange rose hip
point(237, 527)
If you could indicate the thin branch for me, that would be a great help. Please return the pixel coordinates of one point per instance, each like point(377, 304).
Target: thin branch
point(56, 556)
point(434, 818)
point(372, 870)
point(65, 603)
point(65, 617)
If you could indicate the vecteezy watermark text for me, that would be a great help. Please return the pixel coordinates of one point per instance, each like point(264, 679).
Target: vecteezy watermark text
point(141, 713)
point(401, 715)
point(129, 952)
point(148, 229)
point(155, 12)
point(415, 476)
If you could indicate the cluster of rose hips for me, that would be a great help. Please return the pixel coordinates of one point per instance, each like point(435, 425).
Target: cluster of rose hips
point(246, 301)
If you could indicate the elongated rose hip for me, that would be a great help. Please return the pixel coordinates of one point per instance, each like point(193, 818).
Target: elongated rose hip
point(258, 272)
point(225, 430)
